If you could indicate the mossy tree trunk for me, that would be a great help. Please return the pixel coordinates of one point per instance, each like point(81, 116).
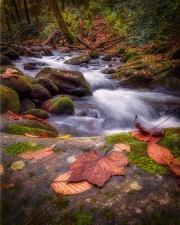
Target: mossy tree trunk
point(87, 10)
point(17, 10)
point(26, 10)
point(62, 24)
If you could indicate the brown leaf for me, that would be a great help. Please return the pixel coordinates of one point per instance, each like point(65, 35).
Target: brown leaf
point(144, 137)
point(9, 73)
point(174, 165)
point(8, 185)
point(1, 170)
point(97, 168)
point(28, 116)
point(60, 185)
point(38, 154)
point(158, 153)
point(30, 135)
point(123, 147)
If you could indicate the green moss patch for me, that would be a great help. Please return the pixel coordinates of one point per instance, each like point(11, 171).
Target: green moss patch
point(21, 147)
point(138, 154)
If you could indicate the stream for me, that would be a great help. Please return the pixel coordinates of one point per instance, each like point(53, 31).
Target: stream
point(111, 109)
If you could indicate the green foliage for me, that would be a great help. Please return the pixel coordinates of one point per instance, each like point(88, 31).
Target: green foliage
point(50, 27)
point(21, 147)
point(27, 30)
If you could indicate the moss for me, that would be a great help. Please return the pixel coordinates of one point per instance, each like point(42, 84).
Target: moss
point(62, 105)
point(21, 147)
point(38, 113)
point(3, 69)
point(39, 92)
point(122, 50)
point(20, 129)
point(129, 55)
point(138, 154)
point(9, 100)
point(4, 60)
point(78, 60)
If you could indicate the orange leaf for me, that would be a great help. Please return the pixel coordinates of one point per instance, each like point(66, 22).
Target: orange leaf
point(135, 72)
point(1, 170)
point(144, 137)
point(60, 185)
point(30, 135)
point(123, 147)
point(158, 153)
point(38, 154)
point(174, 165)
point(9, 73)
point(8, 185)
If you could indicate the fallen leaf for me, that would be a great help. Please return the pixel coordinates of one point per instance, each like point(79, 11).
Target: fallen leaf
point(174, 165)
point(65, 136)
point(30, 135)
point(28, 116)
point(1, 170)
point(18, 165)
point(158, 153)
point(38, 154)
point(144, 137)
point(123, 147)
point(5, 90)
point(60, 185)
point(8, 185)
point(9, 73)
point(97, 168)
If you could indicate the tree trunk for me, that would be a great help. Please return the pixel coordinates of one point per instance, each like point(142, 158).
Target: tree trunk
point(26, 11)
point(17, 10)
point(6, 13)
point(87, 10)
point(62, 24)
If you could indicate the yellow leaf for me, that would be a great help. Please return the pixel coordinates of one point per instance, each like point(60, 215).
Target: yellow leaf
point(123, 147)
point(66, 136)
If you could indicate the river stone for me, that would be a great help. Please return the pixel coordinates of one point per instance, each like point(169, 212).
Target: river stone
point(107, 58)
point(5, 61)
point(48, 84)
point(20, 84)
point(40, 93)
point(34, 54)
point(94, 55)
point(11, 54)
point(30, 66)
point(62, 105)
point(37, 113)
point(26, 104)
point(33, 127)
point(68, 82)
point(9, 100)
point(108, 71)
point(78, 60)
point(48, 52)
point(3, 48)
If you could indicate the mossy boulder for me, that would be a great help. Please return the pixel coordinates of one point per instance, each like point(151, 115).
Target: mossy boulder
point(9, 100)
point(20, 84)
point(26, 104)
point(108, 71)
point(129, 54)
point(38, 113)
point(48, 84)
point(94, 55)
point(63, 105)
point(33, 127)
point(3, 48)
point(11, 54)
point(3, 69)
point(68, 82)
point(5, 61)
point(157, 49)
point(78, 59)
point(176, 53)
point(39, 92)
point(107, 57)
point(48, 52)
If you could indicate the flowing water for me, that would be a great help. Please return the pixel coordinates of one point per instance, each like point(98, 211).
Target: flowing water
point(111, 109)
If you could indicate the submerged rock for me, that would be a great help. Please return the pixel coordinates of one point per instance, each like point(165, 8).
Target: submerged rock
point(9, 100)
point(68, 82)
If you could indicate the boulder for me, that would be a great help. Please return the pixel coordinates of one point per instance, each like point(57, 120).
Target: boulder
point(106, 58)
point(94, 55)
point(108, 71)
point(62, 105)
point(48, 84)
point(34, 54)
point(3, 48)
point(30, 66)
point(22, 53)
point(11, 54)
point(40, 93)
point(33, 127)
point(20, 84)
point(5, 61)
point(48, 52)
point(78, 59)
point(9, 100)
point(68, 82)
point(26, 104)
point(38, 113)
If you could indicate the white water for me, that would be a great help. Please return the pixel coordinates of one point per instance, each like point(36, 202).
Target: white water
point(110, 109)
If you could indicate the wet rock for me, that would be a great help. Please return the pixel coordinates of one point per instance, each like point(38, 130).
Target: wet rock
point(107, 58)
point(20, 84)
point(3, 48)
point(26, 104)
point(78, 60)
point(29, 66)
point(62, 105)
point(5, 61)
point(40, 93)
point(38, 113)
point(108, 71)
point(33, 127)
point(48, 52)
point(21, 53)
point(9, 100)
point(48, 84)
point(94, 55)
point(68, 82)
point(137, 80)
point(11, 54)
point(34, 54)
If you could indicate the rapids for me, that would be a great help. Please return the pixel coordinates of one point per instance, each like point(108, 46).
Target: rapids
point(111, 109)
